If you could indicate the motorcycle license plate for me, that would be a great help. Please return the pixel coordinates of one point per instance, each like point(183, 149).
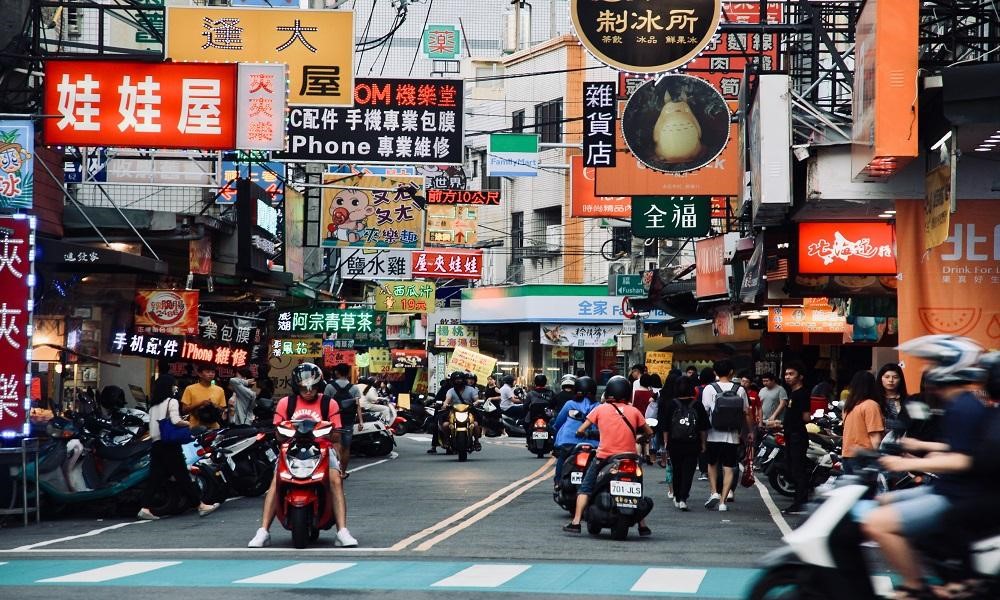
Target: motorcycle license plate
point(576, 477)
point(774, 453)
point(763, 451)
point(539, 435)
point(631, 489)
point(270, 454)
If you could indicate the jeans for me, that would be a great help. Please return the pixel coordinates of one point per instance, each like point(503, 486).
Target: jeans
point(564, 451)
point(166, 461)
point(684, 463)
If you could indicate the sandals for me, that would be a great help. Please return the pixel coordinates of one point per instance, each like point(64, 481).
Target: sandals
point(572, 528)
point(968, 589)
point(905, 592)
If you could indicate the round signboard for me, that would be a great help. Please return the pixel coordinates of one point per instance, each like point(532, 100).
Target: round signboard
point(675, 124)
point(648, 37)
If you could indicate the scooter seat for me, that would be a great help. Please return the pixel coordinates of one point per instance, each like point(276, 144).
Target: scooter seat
point(236, 433)
point(122, 452)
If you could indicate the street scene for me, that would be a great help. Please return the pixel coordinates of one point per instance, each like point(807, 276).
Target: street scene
point(500, 299)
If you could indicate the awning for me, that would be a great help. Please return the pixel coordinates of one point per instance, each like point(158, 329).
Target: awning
point(69, 256)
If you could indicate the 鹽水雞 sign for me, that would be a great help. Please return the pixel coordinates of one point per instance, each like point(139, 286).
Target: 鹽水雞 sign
point(372, 265)
point(600, 117)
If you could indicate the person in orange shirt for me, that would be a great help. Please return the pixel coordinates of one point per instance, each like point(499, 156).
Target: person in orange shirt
point(864, 424)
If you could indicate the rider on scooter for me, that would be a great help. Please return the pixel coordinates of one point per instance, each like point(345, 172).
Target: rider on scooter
point(305, 380)
point(460, 393)
point(566, 434)
point(538, 399)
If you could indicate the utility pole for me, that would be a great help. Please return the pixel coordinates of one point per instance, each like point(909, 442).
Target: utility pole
point(517, 25)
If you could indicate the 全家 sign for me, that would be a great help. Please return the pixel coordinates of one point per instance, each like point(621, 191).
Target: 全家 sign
point(17, 272)
point(855, 248)
point(513, 155)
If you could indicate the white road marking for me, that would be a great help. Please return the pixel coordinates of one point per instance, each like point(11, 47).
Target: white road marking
point(392, 456)
point(772, 508)
point(131, 551)
point(415, 437)
point(299, 573)
point(75, 537)
point(882, 585)
point(482, 576)
point(115, 571)
point(670, 581)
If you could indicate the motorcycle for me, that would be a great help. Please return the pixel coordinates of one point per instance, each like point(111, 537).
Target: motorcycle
point(540, 440)
point(304, 505)
point(374, 439)
point(573, 469)
point(822, 459)
point(242, 458)
point(416, 419)
point(489, 415)
point(618, 502)
point(459, 433)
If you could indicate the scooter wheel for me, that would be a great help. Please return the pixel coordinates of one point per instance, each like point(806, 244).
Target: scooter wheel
point(299, 518)
point(593, 528)
point(619, 531)
point(780, 482)
point(788, 580)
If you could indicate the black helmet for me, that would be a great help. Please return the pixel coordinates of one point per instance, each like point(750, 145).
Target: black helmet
point(618, 388)
point(471, 377)
point(508, 380)
point(991, 362)
point(541, 380)
point(306, 375)
point(112, 398)
point(586, 386)
point(456, 375)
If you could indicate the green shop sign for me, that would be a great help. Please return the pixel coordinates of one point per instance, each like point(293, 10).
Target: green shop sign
point(363, 325)
point(670, 216)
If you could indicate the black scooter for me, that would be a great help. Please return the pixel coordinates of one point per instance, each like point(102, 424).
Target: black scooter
point(573, 469)
point(618, 502)
point(540, 437)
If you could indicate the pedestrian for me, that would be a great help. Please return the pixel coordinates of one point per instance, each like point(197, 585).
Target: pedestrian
point(864, 424)
point(652, 412)
point(370, 401)
point(691, 373)
point(166, 459)
point(728, 409)
point(510, 404)
point(244, 397)
point(684, 423)
point(203, 402)
point(643, 394)
point(635, 374)
point(705, 378)
point(796, 439)
point(753, 393)
point(348, 398)
point(773, 400)
point(892, 392)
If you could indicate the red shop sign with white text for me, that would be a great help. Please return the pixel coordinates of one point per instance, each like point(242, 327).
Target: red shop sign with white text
point(16, 275)
point(854, 248)
point(484, 197)
point(710, 267)
point(448, 264)
point(140, 105)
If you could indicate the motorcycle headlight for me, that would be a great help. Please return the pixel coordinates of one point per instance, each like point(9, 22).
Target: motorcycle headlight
point(302, 468)
point(461, 417)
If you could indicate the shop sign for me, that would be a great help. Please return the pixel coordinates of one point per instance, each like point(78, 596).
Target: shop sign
point(442, 42)
point(216, 354)
point(317, 45)
point(340, 344)
point(393, 121)
point(798, 319)
point(77, 168)
point(156, 19)
point(17, 274)
point(660, 363)
point(166, 311)
point(481, 197)
point(937, 206)
point(379, 360)
point(512, 155)
point(627, 285)
point(366, 211)
point(297, 348)
point(582, 336)
point(333, 356)
point(710, 267)
point(17, 164)
point(455, 225)
point(753, 273)
point(140, 104)
point(456, 335)
point(151, 345)
point(463, 359)
point(573, 304)
point(600, 121)
point(228, 330)
point(261, 95)
point(854, 248)
point(448, 264)
point(359, 324)
point(255, 166)
point(383, 170)
point(661, 35)
point(443, 177)
point(373, 265)
point(583, 202)
point(405, 297)
point(408, 359)
point(200, 255)
point(670, 216)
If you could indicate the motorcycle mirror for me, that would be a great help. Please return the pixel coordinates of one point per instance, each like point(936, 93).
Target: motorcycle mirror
point(652, 422)
point(575, 415)
point(918, 411)
point(818, 414)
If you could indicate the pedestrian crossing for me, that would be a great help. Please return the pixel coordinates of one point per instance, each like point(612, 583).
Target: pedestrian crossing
point(395, 575)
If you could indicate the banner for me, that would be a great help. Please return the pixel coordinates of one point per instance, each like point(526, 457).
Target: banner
point(220, 355)
point(140, 104)
point(362, 325)
point(297, 348)
point(255, 166)
point(463, 359)
point(166, 311)
point(228, 330)
point(392, 121)
point(710, 267)
point(405, 297)
point(583, 202)
point(452, 225)
point(333, 356)
point(261, 98)
point(367, 211)
point(448, 264)
point(17, 274)
point(855, 248)
point(600, 121)
point(408, 359)
point(17, 165)
point(373, 265)
point(580, 336)
point(798, 319)
point(443, 42)
point(456, 336)
point(317, 45)
point(660, 363)
point(153, 345)
point(937, 206)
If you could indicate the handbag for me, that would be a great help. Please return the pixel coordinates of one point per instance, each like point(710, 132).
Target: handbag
point(747, 479)
point(170, 433)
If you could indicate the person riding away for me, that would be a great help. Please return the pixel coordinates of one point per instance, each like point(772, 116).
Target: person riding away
point(917, 512)
point(567, 392)
point(617, 422)
point(308, 405)
point(565, 426)
point(460, 393)
point(538, 399)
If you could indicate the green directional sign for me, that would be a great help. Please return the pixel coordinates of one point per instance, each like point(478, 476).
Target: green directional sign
point(627, 285)
point(670, 216)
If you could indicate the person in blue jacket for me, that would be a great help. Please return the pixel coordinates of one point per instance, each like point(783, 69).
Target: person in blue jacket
point(566, 437)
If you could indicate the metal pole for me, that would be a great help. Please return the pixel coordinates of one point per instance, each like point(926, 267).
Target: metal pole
point(70, 197)
point(130, 225)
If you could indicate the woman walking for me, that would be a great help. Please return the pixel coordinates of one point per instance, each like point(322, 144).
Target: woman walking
point(864, 423)
point(684, 439)
point(166, 459)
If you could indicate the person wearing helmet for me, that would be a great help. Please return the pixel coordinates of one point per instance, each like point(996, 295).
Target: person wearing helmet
point(567, 392)
point(956, 375)
point(308, 404)
point(566, 427)
point(510, 404)
point(618, 423)
point(538, 399)
point(459, 393)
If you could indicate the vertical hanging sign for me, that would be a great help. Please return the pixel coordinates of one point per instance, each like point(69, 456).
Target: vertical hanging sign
point(17, 177)
point(600, 116)
point(261, 92)
point(17, 278)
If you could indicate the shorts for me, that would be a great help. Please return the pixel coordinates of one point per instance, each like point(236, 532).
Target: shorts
point(590, 477)
point(920, 509)
point(724, 453)
point(347, 434)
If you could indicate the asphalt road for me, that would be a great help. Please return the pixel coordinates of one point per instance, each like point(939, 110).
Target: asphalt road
point(426, 524)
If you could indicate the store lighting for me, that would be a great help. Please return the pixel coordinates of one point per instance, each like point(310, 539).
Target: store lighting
point(984, 149)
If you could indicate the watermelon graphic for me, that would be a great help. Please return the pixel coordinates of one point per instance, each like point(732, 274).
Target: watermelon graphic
point(954, 321)
point(993, 329)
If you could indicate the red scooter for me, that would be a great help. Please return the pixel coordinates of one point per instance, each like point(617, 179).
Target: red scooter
point(303, 487)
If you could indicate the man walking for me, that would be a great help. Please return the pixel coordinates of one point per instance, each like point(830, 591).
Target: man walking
point(348, 398)
point(773, 399)
point(728, 410)
point(796, 439)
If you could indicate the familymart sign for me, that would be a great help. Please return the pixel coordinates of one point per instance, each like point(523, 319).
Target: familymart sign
point(513, 155)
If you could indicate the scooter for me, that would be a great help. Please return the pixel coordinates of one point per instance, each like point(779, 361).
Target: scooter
point(823, 464)
point(242, 457)
point(618, 502)
point(460, 432)
point(572, 476)
point(418, 418)
point(374, 439)
point(489, 415)
point(304, 505)
point(541, 438)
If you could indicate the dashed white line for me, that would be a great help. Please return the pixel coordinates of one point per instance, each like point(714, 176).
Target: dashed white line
point(298, 573)
point(482, 576)
point(115, 571)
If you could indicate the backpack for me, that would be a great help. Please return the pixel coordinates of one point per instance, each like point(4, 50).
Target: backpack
point(324, 407)
point(344, 399)
point(684, 422)
point(728, 414)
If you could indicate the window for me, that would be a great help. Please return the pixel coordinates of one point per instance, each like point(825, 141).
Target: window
point(517, 230)
point(621, 241)
point(515, 269)
point(548, 121)
point(517, 122)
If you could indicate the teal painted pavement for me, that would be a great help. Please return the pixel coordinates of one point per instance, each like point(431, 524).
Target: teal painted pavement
point(539, 578)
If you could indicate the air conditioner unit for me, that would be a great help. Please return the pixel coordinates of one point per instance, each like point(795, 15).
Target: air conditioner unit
point(553, 237)
point(217, 3)
point(617, 267)
point(74, 22)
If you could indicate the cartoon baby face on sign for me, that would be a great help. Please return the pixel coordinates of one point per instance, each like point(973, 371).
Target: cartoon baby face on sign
point(348, 212)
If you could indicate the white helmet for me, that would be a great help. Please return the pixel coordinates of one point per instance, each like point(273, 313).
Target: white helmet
point(955, 360)
point(568, 380)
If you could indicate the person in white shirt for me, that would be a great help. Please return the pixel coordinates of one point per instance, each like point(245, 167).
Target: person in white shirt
point(369, 401)
point(723, 446)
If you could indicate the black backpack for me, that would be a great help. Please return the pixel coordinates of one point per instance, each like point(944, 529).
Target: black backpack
point(728, 414)
point(324, 407)
point(344, 398)
point(684, 422)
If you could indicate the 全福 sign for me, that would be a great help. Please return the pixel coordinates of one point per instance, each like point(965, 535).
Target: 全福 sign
point(670, 216)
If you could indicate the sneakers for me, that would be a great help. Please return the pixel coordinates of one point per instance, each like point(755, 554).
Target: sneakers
point(731, 497)
point(260, 539)
point(703, 477)
point(345, 539)
point(676, 503)
point(645, 531)
point(572, 527)
point(723, 507)
point(670, 492)
point(145, 515)
point(714, 499)
point(209, 509)
point(682, 505)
